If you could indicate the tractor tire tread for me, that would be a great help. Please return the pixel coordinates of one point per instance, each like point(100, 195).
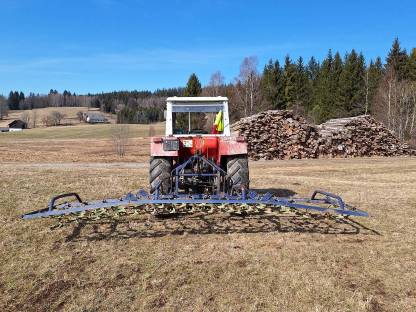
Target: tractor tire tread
point(159, 173)
point(238, 172)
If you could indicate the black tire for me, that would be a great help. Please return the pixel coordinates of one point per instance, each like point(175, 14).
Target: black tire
point(159, 173)
point(237, 172)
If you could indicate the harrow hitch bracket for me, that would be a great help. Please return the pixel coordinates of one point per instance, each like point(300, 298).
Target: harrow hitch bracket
point(329, 197)
point(53, 200)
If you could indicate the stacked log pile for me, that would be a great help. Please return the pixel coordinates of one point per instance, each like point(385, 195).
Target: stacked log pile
point(280, 134)
point(358, 136)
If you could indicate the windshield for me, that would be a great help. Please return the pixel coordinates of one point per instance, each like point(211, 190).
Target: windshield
point(198, 119)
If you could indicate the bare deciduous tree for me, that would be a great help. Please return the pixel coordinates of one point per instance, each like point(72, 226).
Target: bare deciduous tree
point(248, 85)
point(215, 83)
point(395, 105)
point(4, 108)
point(53, 119)
point(57, 117)
point(46, 121)
point(80, 116)
point(34, 118)
point(120, 137)
point(26, 118)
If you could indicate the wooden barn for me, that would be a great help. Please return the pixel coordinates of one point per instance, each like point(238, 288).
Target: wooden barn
point(18, 124)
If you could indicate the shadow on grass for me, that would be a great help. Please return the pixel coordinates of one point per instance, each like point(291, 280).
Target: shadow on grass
point(279, 192)
point(150, 226)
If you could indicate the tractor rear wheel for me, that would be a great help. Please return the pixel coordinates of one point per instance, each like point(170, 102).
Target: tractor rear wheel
point(159, 174)
point(237, 172)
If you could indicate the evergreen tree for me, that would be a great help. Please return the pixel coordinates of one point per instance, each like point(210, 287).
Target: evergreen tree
point(10, 100)
point(322, 96)
point(193, 87)
point(289, 76)
point(21, 96)
point(302, 87)
point(373, 77)
point(312, 69)
point(272, 85)
point(126, 115)
point(13, 100)
point(335, 106)
point(352, 85)
point(397, 60)
point(412, 65)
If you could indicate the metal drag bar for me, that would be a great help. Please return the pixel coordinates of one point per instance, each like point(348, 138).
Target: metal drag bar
point(246, 198)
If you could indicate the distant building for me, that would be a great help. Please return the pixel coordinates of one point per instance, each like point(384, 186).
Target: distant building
point(17, 124)
point(94, 118)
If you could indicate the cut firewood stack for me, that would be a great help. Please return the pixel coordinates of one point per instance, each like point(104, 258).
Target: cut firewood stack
point(280, 134)
point(358, 136)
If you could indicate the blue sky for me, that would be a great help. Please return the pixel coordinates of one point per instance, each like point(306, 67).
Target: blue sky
point(104, 45)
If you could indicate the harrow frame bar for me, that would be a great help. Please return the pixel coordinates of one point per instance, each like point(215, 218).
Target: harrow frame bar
point(335, 202)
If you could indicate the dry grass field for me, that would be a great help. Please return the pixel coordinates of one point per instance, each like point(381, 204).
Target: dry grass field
point(80, 143)
point(287, 262)
point(69, 112)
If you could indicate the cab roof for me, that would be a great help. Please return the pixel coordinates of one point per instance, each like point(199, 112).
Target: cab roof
point(197, 99)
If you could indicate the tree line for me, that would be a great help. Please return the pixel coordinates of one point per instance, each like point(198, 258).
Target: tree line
point(337, 86)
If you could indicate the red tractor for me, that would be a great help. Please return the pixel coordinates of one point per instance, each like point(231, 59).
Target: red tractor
point(198, 155)
point(197, 164)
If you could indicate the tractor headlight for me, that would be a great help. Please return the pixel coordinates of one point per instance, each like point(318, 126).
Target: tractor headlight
point(170, 145)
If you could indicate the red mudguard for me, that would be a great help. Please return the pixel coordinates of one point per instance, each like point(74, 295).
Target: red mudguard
point(213, 147)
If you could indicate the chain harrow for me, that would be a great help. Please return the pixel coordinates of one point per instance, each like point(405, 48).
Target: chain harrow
point(165, 210)
point(169, 205)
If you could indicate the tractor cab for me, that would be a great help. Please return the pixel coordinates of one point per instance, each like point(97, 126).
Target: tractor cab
point(198, 152)
point(197, 116)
